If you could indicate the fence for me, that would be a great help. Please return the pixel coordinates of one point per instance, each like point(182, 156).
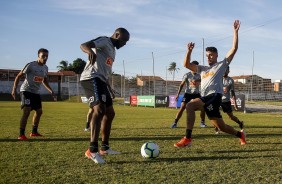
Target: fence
point(70, 86)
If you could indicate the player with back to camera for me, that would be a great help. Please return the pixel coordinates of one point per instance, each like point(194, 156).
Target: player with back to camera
point(35, 74)
point(228, 91)
point(94, 79)
point(192, 81)
point(211, 90)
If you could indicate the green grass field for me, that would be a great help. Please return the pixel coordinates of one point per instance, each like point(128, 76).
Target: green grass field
point(58, 157)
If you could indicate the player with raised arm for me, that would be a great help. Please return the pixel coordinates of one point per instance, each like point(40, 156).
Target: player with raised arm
point(211, 90)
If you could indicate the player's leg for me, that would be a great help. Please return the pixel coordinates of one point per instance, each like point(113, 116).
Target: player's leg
point(88, 119)
point(36, 105)
point(227, 108)
point(179, 114)
point(192, 106)
point(35, 122)
point(203, 118)
point(106, 131)
point(26, 109)
point(236, 120)
point(94, 93)
point(220, 124)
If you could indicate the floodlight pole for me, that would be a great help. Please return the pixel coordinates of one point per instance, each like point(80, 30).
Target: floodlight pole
point(203, 51)
point(252, 75)
point(154, 73)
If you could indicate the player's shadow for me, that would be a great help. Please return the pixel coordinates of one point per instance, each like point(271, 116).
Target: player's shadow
point(76, 139)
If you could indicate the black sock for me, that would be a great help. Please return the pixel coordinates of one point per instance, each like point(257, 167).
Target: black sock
point(175, 121)
point(22, 130)
point(188, 133)
point(87, 124)
point(238, 121)
point(239, 134)
point(93, 147)
point(105, 145)
point(34, 129)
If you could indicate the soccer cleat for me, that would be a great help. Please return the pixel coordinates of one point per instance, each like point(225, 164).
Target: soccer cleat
point(241, 125)
point(35, 134)
point(217, 131)
point(174, 125)
point(203, 125)
point(243, 137)
point(22, 138)
point(183, 142)
point(96, 157)
point(109, 152)
point(86, 129)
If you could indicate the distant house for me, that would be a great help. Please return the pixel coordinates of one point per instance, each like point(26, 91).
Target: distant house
point(254, 82)
point(56, 79)
point(278, 85)
point(150, 85)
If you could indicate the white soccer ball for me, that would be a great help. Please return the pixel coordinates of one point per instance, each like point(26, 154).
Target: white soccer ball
point(150, 150)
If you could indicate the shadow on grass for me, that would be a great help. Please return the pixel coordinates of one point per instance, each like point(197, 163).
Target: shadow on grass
point(46, 140)
point(144, 138)
point(185, 159)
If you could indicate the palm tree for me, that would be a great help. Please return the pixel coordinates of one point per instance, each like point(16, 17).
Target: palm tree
point(64, 66)
point(172, 69)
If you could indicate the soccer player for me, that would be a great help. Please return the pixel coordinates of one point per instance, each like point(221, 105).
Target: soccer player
point(228, 88)
point(211, 89)
point(35, 74)
point(94, 79)
point(192, 81)
point(91, 110)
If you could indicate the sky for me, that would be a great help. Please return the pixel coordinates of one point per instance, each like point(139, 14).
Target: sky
point(159, 33)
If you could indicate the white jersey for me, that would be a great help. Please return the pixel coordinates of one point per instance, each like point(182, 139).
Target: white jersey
point(211, 77)
point(192, 82)
point(34, 75)
point(228, 85)
point(102, 67)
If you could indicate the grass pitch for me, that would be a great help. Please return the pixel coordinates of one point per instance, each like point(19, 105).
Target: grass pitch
point(58, 157)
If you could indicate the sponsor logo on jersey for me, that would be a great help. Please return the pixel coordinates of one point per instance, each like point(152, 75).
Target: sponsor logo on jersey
point(208, 74)
point(109, 61)
point(37, 79)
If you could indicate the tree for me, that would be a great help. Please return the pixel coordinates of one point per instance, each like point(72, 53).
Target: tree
point(172, 69)
point(78, 65)
point(64, 66)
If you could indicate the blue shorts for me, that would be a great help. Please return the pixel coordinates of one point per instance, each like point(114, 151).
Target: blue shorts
point(212, 104)
point(96, 91)
point(29, 99)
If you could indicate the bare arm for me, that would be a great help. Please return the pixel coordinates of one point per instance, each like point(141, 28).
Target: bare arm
point(87, 48)
point(47, 86)
point(233, 96)
point(234, 48)
point(187, 60)
point(179, 89)
point(17, 79)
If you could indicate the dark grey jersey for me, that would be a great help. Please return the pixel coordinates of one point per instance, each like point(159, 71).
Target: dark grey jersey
point(34, 75)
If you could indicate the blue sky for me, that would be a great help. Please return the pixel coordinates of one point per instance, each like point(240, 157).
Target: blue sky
point(161, 27)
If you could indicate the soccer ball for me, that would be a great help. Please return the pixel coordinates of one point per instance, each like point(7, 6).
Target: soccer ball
point(150, 150)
